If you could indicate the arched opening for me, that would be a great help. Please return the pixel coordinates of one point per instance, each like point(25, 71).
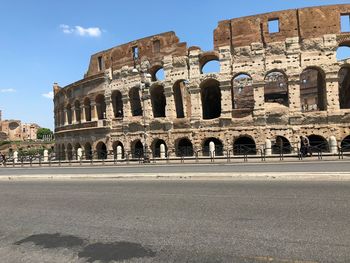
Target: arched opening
point(219, 148)
point(88, 151)
point(76, 147)
point(343, 53)
point(211, 99)
point(117, 103)
point(158, 101)
point(101, 150)
point(135, 101)
point(244, 146)
point(156, 148)
point(281, 145)
point(77, 111)
point(115, 146)
point(63, 117)
point(159, 75)
point(69, 113)
point(211, 66)
point(242, 95)
point(184, 148)
point(87, 107)
point(178, 91)
point(69, 152)
point(344, 87)
point(137, 149)
point(345, 144)
point(100, 107)
point(276, 88)
point(318, 144)
point(313, 90)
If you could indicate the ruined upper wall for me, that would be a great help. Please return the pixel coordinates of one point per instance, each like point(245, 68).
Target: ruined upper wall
point(122, 55)
point(304, 23)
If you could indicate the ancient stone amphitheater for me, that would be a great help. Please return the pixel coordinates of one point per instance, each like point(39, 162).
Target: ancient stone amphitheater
point(279, 79)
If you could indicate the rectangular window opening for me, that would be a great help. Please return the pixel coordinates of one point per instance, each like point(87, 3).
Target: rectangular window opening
point(156, 46)
point(345, 23)
point(100, 63)
point(135, 52)
point(274, 26)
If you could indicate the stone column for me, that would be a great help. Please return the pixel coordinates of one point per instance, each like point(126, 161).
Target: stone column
point(65, 117)
point(170, 109)
point(82, 113)
point(147, 104)
point(294, 94)
point(259, 98)
point(226, 101)
point(109, 108)
point(74, 119)
point(126, 107)
point(332, 92)
point(94, 111)
point(196, 103)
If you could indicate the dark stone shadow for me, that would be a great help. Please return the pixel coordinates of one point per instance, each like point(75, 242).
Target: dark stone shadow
point(117, 251)
point(53, 240)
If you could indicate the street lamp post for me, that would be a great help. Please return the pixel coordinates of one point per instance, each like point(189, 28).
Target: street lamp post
point(144, 84)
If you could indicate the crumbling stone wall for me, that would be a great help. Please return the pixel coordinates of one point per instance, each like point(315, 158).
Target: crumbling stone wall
point(300, 58)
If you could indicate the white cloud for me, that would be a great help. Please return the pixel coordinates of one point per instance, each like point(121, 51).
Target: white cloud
point(81, 31)
point(7, 90)
point(48, 95)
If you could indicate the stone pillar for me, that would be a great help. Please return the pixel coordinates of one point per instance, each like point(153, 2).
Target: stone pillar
point(147, 104)
point(294, 95)
point(333, 145)
point(193, 62)
point(46, 155)
point(82, 114)
point(126, 107)
point(170, 109)
point(259, 98)
point(196, 103)
point(74, 119)
point(15, 156)
point(332, 92)
point(268, 147)
point(226, 101)
point(109, 108)
point(79, 154)
point(211, 149)
point(162, 151)
point(65, 117)
point(94, 116)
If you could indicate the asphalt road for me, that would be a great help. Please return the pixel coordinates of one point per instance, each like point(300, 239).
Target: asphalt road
point(314, 166)
point(174, 221)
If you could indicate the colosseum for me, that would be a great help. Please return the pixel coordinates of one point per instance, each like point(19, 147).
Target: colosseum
point(278, 79)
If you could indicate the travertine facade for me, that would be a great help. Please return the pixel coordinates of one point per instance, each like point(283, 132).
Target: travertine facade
point(272, 87)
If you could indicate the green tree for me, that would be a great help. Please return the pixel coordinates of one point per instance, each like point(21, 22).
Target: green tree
point(42, 132)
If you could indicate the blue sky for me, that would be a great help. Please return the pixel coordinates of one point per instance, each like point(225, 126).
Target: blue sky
point(44, 41)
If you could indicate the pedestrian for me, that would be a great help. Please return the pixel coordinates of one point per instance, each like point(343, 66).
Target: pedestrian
point(2, 159)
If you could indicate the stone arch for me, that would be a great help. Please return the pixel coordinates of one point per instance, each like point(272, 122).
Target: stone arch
point(318, 143)
point(137, 150)
point(244, 145)
point(101, 150)
point(242, 94)
point(100, 106)
point(117, 103)
point(343, 51)
point(345, 144)
point(77, 111)
point(313, 90)
point(276, 87)
point(115, 145)
point(219, 147)
point(69, 113)
point(281, 145)
point(178, 91)
point(88, 151)
point(87, 107)
point(209, 62)
point(344, 87)
point(69, 152)
point(184, 147)
point(157, 72)
point(158, 101)
point(135, 101)
point(156, 147)
point(211, 99)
